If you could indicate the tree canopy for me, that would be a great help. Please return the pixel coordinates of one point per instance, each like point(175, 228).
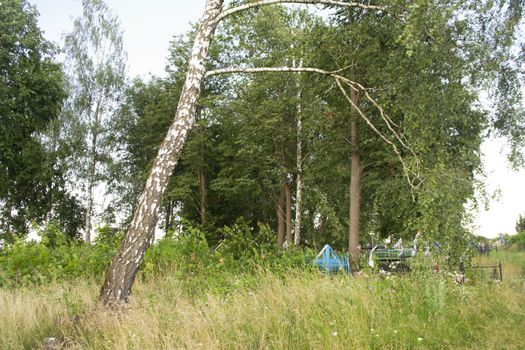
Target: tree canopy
point(345, 129)
point(31, 96)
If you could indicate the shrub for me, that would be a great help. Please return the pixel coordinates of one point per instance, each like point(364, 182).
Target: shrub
point(518, 240)
point(185, 256)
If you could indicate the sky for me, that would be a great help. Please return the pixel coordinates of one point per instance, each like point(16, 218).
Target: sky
point(150, 25)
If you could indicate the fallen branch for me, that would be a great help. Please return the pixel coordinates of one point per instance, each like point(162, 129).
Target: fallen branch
point(406, 170)
point(353, 85)
point(389, 123)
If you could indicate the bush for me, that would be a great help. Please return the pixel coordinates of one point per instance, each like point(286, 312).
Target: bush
point(185, 256)
point(55, 258)
point(518, 240)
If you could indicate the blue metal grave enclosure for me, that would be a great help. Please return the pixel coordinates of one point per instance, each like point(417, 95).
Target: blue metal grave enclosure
point(328, 261)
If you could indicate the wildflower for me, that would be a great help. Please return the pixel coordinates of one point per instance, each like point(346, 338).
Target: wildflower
point(334, 334)
point(395, 331)
point(419, 339)
point(460, 278)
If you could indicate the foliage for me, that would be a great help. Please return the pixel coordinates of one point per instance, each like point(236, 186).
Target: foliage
point(56, 257)
point(518, 240)
point(186, 255)
point(31, 95)
point(520, 224)
point(425, 62)
point(303, 310)
point(95, 65)
point(419, 62)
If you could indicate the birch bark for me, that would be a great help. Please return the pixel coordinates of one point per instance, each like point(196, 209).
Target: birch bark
point(299, 159)
point(89, 189)
point(92, 171)
point(123, 269)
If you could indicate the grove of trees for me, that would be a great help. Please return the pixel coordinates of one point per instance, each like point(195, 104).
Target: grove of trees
point(343, 129)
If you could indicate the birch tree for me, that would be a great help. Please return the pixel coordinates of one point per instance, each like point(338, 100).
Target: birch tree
point(122, 271)
point(120, 275)
point(96, 68)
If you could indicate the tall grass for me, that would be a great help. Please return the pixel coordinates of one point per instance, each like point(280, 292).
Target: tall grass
point(513, 260)
point(304, 311)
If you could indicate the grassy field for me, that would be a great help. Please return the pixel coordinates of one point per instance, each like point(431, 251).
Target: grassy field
point(304, 311)
point(515, 260)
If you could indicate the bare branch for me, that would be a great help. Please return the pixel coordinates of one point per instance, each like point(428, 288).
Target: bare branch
point(240, 8)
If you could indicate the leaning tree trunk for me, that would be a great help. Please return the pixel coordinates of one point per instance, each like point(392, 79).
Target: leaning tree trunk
point(123, 269)
point(355, 185)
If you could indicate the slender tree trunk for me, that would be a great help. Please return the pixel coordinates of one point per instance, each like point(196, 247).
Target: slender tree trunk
point(200, 170)
point(202, 195)
point(89, 200)
point(92, 171)
point(355, 185)
point(168, 217)
point(280, 219)
point(120, 275)
point(322, 227)
point(288, 200)
point(299, 156)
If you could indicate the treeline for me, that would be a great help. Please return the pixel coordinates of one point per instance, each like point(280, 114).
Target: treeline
point(283, 150)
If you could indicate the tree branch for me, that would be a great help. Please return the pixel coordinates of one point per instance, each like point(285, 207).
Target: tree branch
point(389, 123)
point(234, 70)
point(406, 170)
point(353, 85)
point(240, 8)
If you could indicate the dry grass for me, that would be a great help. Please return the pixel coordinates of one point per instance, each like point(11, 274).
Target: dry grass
point(304, 312)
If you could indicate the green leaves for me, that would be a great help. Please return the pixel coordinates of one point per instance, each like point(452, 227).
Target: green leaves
point(31, 95)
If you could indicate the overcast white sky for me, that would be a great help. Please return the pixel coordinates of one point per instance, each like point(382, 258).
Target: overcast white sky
point(150, 25)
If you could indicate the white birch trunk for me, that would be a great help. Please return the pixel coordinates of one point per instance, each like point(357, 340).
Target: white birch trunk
point(92, 171)
point(299, 156)
point(89, 192)
point(123, 269)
